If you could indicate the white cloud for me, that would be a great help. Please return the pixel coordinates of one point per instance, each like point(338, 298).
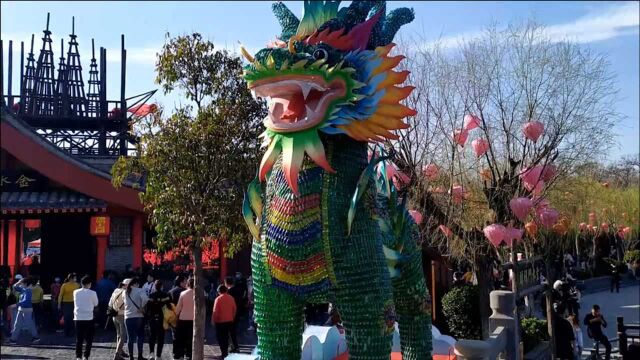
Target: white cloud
point(607, 23)
point(611, 22)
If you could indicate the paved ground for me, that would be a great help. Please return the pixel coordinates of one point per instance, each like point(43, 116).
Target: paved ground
point(56, 346)
point(625, 304)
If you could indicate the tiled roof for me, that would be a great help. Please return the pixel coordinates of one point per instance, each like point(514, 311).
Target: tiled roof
point(49, 202)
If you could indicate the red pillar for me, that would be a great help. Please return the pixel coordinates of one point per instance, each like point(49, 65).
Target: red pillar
point(136, 242)
point(13, 242)
point(101, 242)
point(223, 259)
point(2, 242)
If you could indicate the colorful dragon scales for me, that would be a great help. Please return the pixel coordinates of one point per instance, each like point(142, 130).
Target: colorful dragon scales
point(327, 220)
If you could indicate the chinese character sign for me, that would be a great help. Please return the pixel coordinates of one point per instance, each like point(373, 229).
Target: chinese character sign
point(22, 180)
point(100, 225)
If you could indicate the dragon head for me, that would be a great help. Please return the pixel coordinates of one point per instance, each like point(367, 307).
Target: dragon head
point(329, 72)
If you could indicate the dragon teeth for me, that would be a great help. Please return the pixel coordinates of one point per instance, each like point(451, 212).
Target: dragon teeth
point(306, 88)
point(309, 111)
point(300, 64)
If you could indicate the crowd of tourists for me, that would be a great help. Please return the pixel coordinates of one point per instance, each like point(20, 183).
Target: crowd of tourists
point(132, 306)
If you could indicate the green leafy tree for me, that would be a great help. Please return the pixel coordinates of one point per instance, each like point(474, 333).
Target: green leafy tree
point(198, 161)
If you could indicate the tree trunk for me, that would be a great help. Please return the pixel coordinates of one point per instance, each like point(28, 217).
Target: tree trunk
point(485, 284)
point(200, 310)
point(549, 303)
point(550, 324)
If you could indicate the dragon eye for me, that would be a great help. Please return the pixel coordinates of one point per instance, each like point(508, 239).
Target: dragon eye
point(320, 54)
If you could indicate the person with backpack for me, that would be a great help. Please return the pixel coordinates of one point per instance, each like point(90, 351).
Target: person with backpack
point(116, 310)
point(179, 285)
point(85, 301)
point(157, 301)
point(135, 301)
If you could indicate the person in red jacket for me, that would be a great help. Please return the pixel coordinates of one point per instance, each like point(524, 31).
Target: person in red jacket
point(224, 311)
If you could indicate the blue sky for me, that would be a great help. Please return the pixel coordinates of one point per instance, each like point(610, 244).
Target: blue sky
point(610, 28)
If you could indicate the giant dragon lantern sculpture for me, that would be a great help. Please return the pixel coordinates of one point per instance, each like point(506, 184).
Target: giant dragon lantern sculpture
point(327, 221)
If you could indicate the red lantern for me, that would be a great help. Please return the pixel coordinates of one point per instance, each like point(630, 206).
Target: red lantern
point(32, 224)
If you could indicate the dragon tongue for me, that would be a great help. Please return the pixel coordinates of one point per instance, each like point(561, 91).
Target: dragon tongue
point(295, 108)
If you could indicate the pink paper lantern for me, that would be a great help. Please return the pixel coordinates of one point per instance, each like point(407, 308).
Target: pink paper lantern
point(445, 230)
point(548, 217)
point(416, 215)
point(548, 172)
point(471, 122)
point(532, 130)
point(460, 136)
point(480, 146)
point(513, 234)
point(457, 193)
point(496, 233)
point(430, 171)
point(521, 207)
point(532, 179)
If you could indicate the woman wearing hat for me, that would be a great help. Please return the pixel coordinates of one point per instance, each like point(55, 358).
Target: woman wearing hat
point(116, 302)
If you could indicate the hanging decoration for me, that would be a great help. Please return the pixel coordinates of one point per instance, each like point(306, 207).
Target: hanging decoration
point(471, 122)
point(480, 146)
point(532, 130)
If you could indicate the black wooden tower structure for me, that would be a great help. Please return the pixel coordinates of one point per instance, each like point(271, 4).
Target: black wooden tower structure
point(53, 100)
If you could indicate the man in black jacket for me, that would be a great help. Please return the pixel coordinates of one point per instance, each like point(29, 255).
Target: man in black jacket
point(595, 322)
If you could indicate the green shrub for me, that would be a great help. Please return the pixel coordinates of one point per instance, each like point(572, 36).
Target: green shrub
point(461, 310)
point(632, 256)
point(533, 332)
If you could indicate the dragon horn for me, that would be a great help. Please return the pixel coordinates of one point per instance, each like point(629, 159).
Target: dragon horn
point(245, 53)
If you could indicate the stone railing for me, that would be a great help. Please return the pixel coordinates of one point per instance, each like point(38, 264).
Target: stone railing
point(504, 339)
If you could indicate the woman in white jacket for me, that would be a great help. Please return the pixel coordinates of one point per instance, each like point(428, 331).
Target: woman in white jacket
point(116, 302)
point(135, 301)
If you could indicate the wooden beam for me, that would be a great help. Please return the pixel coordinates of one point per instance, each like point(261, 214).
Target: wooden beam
point(123, 101)
point(21, 76)
point(123, 78)
point(1, 69)
point(2, 252)
point(10, 73)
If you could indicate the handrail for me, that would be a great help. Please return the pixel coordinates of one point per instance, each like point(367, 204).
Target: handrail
point(503, 339)
point(623, 337)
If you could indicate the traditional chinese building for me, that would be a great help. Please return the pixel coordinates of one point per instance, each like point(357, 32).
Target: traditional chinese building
point(58, 143)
